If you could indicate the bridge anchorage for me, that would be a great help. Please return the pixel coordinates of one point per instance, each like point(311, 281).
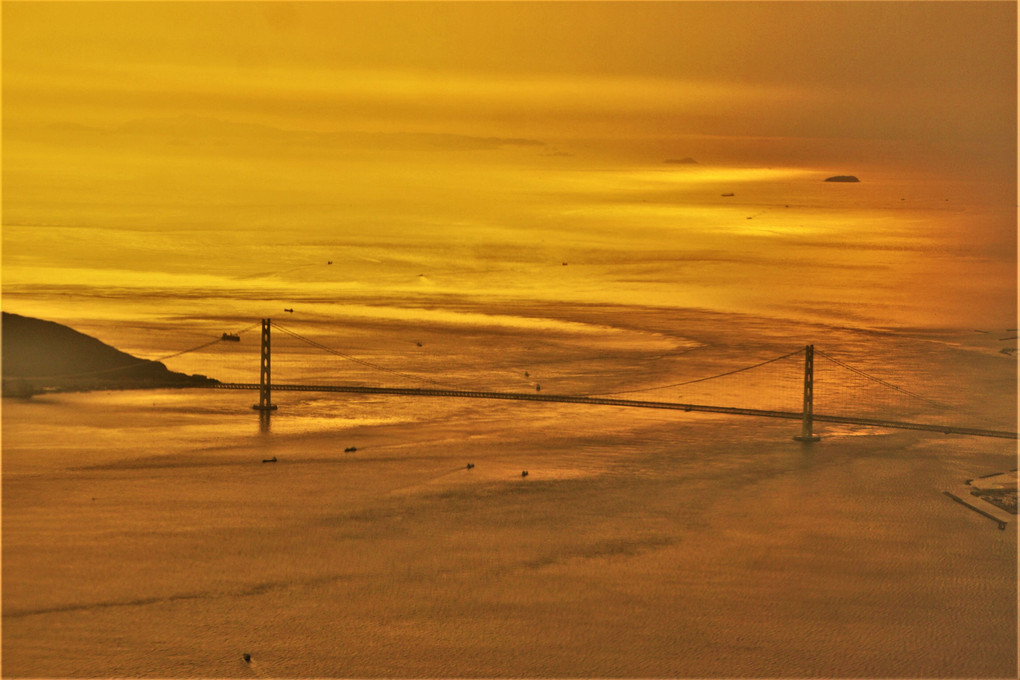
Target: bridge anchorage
point(806, 415)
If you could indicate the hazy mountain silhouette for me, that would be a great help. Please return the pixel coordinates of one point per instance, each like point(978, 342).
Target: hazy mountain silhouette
point(43, 355)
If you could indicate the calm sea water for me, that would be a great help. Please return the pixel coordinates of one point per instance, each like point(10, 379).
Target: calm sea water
point(900, 248)
point(143, 536)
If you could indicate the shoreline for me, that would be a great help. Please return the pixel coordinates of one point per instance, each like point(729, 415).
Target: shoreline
point(982, 493)
point(998, 490)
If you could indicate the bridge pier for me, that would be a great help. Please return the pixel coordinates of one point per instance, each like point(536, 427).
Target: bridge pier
point(265, 404)
point(807, 422)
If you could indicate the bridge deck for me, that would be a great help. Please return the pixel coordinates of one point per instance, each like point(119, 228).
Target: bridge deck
point(563, 398)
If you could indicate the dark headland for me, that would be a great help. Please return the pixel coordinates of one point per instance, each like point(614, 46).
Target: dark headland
point(842, 178)
point(43, 356)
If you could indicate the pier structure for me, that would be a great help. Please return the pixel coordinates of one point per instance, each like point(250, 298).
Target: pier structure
point(806, 415)
point(265, 404)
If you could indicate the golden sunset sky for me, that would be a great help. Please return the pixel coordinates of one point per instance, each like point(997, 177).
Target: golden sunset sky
point(937, 73)
point(472, 119)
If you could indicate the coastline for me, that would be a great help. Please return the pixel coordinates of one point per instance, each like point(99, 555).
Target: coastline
point(998, 490)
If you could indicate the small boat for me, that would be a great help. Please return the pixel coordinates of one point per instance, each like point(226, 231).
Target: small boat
point(289, 311)
point(230, 337)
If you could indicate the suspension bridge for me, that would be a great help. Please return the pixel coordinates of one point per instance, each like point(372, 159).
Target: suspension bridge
point(806, 414)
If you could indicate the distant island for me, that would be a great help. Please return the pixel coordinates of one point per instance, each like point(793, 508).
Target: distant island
point(682, 161)
point(43, 356)
point(842, 178)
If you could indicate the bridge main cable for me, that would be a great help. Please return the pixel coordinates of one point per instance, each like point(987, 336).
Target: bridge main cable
point(356, 360)
point(884, 383)
point(697, 380)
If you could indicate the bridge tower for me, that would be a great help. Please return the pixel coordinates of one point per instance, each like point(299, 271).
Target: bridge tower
point(807, 424)
point(265, 383)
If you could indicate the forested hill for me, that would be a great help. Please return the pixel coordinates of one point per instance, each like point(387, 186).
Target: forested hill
point(42, 355)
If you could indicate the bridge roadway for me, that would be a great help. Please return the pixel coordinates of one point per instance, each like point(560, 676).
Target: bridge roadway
point(563, 398)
